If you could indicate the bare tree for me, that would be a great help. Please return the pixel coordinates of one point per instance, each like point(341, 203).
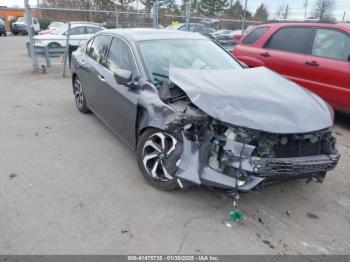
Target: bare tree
point(323, 9)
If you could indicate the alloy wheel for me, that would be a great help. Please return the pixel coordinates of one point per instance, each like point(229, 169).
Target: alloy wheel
point(155, 155)
point(78, 92)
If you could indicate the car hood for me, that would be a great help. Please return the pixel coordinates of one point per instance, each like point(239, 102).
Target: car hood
point(254, 98)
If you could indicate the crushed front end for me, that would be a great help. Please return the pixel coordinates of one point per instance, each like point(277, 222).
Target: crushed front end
point(222, 155)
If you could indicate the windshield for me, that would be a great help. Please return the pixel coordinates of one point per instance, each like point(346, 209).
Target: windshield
point(160, 55)
point(61, 30)
point(20, 19)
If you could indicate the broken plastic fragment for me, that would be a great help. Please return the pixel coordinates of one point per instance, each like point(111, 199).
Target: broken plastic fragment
point(237, 215)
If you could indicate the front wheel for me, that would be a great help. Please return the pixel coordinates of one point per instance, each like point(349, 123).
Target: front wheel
point(158, 155)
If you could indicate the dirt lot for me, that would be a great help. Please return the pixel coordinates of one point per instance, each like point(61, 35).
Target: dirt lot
point(69, 186)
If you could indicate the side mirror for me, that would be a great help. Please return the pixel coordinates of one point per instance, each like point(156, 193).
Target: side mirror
point(123, 77)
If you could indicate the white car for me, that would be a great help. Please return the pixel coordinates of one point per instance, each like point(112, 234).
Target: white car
point(79, 33)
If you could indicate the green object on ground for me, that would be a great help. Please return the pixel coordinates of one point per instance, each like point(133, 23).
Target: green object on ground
point(237, 215)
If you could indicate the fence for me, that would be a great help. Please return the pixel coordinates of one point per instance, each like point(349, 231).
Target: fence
point(125, 19)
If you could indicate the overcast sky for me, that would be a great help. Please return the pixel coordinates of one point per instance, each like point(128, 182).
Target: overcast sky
point(295, 6)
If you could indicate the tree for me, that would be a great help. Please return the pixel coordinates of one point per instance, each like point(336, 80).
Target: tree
point(323, 9)
point(286, 13)
point(148, 4)
point(236, 10)
point(261, 14)
point(212, 7)
point(123, 4)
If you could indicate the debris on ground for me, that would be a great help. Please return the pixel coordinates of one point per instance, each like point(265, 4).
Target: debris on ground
point(12, 175)
point(261, 221)
point(267, 242)
point(123, 231)
point(288, 213)
point(312, 216)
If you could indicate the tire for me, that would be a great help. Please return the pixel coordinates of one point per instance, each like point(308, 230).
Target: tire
point(158, 163)
point(5, 34)
point(79, 96)
point(53, 45)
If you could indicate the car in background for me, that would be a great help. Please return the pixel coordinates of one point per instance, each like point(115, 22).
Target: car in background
point(314, 55)
point(55, 25)
point(2, 28)
point(201, 28)
point(227, 37)
point(20, 27)
point(195, 116)
point(79, 32)
point(52, 27)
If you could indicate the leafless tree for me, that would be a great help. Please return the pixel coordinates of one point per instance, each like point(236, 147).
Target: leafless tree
point(323, 9)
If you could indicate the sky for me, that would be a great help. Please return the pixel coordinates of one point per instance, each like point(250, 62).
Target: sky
point(296, 7)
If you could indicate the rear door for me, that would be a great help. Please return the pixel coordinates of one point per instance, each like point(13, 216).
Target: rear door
point(284, 52)
point(326, 67)
point(91, 65)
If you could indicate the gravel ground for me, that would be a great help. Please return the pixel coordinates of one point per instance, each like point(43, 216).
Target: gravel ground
point(69, 186)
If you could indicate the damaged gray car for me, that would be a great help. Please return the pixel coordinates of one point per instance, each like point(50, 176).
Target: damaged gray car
point(197, 116)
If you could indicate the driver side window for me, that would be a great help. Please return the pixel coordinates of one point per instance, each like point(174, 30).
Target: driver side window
point(120, 56)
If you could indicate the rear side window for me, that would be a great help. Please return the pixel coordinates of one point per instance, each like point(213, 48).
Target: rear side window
point(92, 29)
point(292, 39)
point(331, 44)
point(99, 47)
point(254, 35)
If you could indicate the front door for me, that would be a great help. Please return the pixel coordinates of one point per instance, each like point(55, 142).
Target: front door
point(117, 104)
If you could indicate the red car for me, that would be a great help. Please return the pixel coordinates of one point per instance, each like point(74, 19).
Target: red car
point(314, 55)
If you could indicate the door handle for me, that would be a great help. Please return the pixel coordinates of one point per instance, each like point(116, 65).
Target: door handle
point(102, 78)
point(265, 54)
point(311, 63)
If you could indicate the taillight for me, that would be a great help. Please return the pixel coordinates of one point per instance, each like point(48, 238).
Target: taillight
point(236, 38)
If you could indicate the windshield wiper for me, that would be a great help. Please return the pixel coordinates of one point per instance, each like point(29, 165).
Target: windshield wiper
point(161, 75)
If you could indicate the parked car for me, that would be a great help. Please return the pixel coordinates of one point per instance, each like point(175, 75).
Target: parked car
point(314, 55)
point(80, 32)
point(194, 115)
point(2, 28)
point(201, 28)
point(20, 27)
point(228, 37)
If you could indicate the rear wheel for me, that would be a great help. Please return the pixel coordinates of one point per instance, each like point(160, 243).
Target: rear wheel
point(80, 99)
point(158, 155)
point(53, 45)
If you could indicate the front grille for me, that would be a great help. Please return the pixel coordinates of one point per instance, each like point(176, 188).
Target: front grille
point(298, 148)
point(297, 166)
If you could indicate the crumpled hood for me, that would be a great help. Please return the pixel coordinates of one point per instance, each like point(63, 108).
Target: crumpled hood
point(254, 98)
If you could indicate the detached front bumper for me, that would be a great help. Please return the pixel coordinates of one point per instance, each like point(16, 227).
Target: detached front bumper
point(194, 167)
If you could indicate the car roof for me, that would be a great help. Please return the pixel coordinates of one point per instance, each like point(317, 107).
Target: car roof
point(141, 34)
point(306, 24)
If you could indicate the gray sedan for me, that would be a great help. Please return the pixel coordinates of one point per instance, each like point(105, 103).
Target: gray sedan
point(196, 116)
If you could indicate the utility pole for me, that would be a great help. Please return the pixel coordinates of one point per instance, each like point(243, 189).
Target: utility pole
point(343, 20)
point(29, 24)
point(306, 3)
point(244, 15)
point(188, 14)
